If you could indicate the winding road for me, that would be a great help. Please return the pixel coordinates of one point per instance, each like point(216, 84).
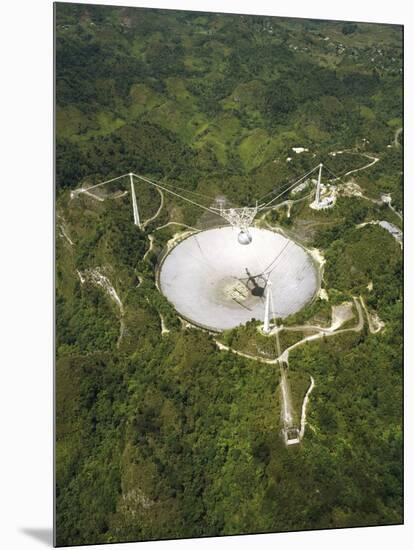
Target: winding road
point(374, 160)
point(283, 360)
point(322, 332)
point(157, 213)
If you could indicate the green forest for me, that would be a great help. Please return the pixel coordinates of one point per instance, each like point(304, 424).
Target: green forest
point(159, 433)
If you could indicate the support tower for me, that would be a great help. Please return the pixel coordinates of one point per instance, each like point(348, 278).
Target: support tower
point(134, 202)
point(318, 186)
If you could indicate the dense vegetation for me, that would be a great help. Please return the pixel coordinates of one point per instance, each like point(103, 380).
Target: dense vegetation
point(160, 434)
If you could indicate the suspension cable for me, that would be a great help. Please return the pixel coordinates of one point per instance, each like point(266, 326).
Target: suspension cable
point(212, 210)
point(103, 182)
point(276, 258)
point(267, 205)
point(273, 191)
point(173, 193)
point(334, 175)
point(188, 191)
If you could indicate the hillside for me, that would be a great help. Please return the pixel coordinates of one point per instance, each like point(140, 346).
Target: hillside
point(160, 433)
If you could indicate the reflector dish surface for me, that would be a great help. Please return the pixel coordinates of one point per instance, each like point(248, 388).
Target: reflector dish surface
point(215, 282)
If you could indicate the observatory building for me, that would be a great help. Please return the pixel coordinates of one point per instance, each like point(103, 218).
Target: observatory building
point(214, 280)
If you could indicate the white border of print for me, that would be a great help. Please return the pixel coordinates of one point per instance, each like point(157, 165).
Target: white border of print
point(26, 206)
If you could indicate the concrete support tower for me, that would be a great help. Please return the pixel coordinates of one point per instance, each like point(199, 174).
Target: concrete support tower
point(134, 203)
point(318, 186)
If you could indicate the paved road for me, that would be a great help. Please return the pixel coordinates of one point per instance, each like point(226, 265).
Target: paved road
point(157, 213)
point(322, 333)
point(374, 160)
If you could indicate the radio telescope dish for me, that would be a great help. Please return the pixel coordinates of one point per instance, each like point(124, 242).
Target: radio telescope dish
point(217, 283)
